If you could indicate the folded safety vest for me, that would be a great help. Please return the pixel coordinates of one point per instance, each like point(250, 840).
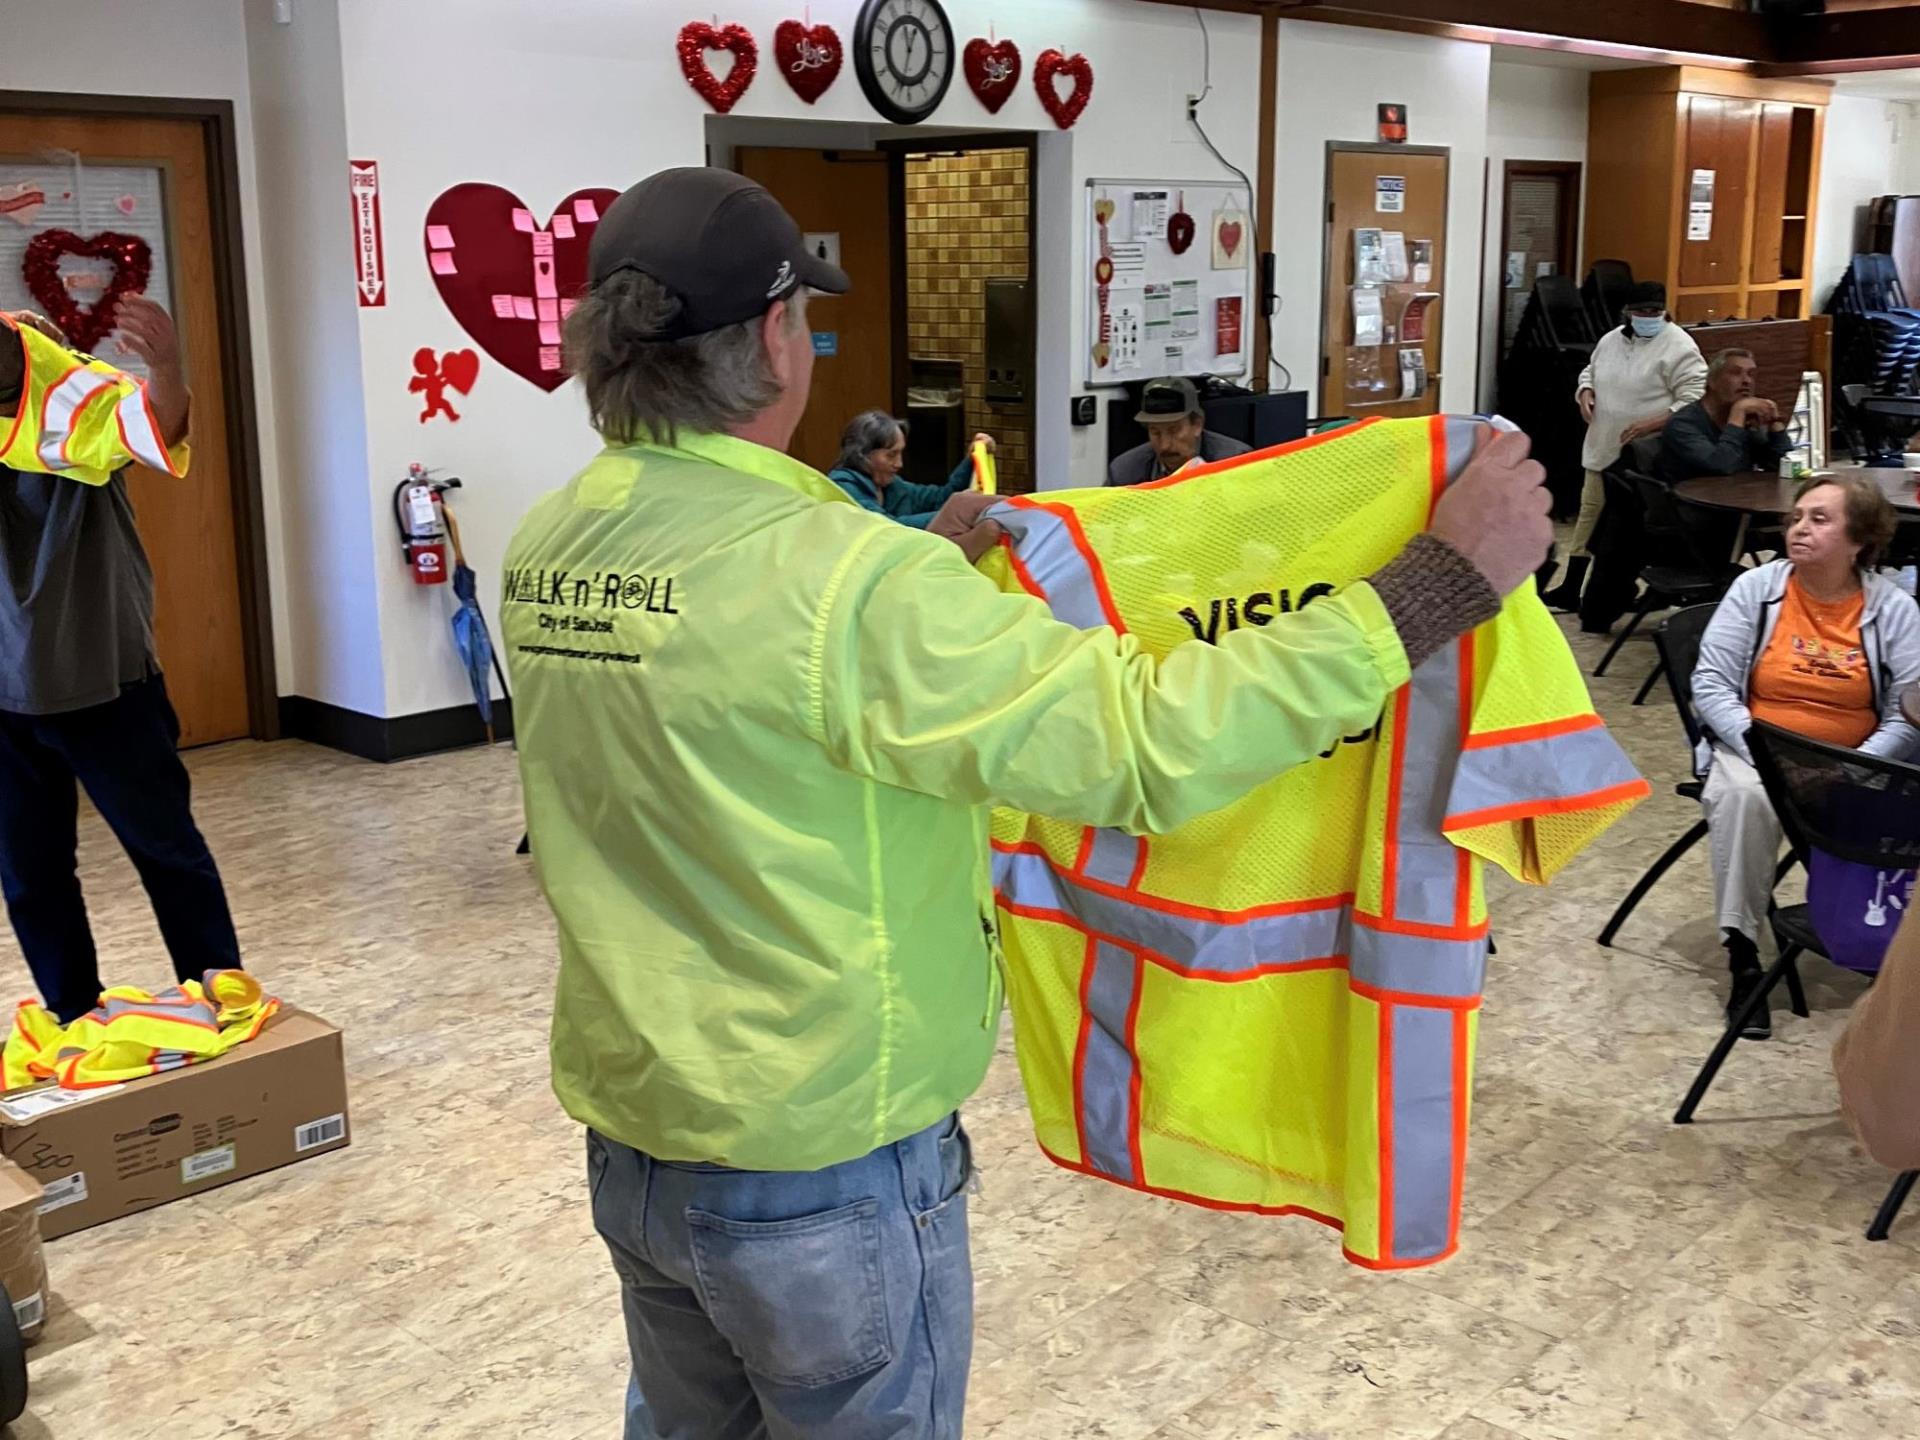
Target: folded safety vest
point(136, 1032)
point(1275, 1007)
point(78, 417)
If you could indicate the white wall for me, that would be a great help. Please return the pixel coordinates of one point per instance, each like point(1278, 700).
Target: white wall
point(444, 91)
point(1534, 112)
point(1872, 148)
point(1331, 79)
point(197, 51)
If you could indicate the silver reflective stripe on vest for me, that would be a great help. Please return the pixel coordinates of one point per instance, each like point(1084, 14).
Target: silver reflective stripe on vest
point(1419, 1224)
point(1426, 869)
point(1114, 857)
point(1107, 1065)
point(1558, 767)
point(139, 432)
point(58, 408)
point(1046, 549)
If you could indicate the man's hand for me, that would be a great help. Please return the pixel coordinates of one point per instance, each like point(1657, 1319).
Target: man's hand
point(1751, 411)
point(1586, 406)
point(39, 322)
point(147, 330)
point(980, 539)
point(1497, 513)
point(961, 513)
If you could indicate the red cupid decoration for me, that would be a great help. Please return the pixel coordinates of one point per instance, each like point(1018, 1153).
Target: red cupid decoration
point(992, 71)
point(85, 326)
point(1074, 67)
point(699, 37)
point(809, 59)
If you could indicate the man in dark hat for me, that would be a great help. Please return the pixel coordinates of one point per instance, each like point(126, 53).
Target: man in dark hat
point(759, 728)
point(1176, 434)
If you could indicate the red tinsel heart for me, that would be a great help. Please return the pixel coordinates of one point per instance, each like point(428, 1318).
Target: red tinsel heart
point(992, 71)
point(1074, 67)
point(809, 59)
point(1179, 232)
point(510, 284)
point(85, 326)
point(696, 39)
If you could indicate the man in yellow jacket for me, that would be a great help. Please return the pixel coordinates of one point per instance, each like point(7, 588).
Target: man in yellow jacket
point(760, 729)
point(81, 695)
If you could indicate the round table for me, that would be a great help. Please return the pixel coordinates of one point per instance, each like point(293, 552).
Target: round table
point(1758, 493)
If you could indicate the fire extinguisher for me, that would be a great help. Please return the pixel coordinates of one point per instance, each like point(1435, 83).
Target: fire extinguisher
point(419, 509)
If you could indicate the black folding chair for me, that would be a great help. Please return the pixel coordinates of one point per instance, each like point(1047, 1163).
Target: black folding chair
point(1608, 287)
point(1677, 642)
point(1676, 575)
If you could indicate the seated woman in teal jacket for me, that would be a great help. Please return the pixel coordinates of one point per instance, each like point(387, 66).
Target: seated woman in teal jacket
point(873, 448)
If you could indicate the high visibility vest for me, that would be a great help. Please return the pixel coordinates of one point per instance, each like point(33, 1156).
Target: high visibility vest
point(135, 1032)
point(1275, 1007)
point(78, 417)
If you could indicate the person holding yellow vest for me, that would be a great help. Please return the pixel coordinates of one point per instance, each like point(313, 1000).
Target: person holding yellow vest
point(760, 730)
point(81, 696)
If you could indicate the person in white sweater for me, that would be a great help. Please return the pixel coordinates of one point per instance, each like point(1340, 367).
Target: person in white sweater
point(1639, 375)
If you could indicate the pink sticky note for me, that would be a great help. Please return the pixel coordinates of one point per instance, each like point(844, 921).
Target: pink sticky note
point(439, 237)
point(547, 310)
point(542, 245)
point(503, 306)
point(443, 263)
point(523, 220)
point(586, 212)
point(523, 307)
point(549, 357)
point(563, 226)
point(543, 285)
point(549, 333)
point(566, 308)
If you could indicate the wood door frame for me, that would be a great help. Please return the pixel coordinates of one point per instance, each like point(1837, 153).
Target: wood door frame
point(1374, 147)
point(1570, 170)
point(897, 152)
point(219, 133)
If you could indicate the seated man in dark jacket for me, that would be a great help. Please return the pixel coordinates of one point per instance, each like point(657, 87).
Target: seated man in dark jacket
point(1177, 435)
point(1726, 431)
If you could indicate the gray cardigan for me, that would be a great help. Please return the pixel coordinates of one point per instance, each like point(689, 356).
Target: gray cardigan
point(1740, 630)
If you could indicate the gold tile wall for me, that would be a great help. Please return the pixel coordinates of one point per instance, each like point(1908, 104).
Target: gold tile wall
point(967, 223)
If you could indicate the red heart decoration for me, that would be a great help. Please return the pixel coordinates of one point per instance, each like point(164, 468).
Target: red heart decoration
point(992, 71)
point(1074, 67)
point(508, 281)
point(85, 326)
point(809, 59)
point(1179, 232)
point(460, 368)
point(1230, 237)
point(699, 37)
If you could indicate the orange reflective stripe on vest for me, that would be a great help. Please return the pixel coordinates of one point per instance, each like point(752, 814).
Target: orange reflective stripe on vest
point(1275, 1009)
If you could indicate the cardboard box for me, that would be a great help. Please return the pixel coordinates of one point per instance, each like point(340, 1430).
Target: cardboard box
point(23, 1264)
point(102, 1154)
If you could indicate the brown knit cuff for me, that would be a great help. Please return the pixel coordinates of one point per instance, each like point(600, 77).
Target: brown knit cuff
point(1434, 594)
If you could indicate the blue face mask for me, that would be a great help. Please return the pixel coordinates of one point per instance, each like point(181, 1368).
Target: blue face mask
point(1647, 326)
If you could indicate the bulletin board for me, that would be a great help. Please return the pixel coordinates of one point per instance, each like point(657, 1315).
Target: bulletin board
point(1169, 279)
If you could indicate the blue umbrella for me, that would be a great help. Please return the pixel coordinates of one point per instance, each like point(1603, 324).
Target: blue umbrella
point(474, 644)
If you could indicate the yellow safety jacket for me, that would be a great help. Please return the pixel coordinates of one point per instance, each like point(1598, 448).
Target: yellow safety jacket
point(1274, 1007)
point(136, 1032)
point(79, 417)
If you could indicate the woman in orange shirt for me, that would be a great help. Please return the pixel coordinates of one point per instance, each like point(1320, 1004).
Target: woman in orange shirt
point(1818, 643)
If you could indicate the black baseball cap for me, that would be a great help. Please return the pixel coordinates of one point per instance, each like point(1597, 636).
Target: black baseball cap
point(1647, 293)
point(716, 240)
point(1171, 399)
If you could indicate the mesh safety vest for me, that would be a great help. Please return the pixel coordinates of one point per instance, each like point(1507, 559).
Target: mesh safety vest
point(135, 1032)
point(1275, 1007)
point(78, 417)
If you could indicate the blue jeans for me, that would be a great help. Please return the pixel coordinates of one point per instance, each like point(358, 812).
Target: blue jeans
point(830, 1304)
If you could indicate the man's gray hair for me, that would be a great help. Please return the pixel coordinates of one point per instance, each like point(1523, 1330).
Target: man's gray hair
point(867, 432)
point(640, 387)
point(1724, 358)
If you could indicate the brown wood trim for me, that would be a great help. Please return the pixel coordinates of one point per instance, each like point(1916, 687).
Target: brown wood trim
point(897, 271)
point(218, 125)
point(1263, 190)
point(1640, 24)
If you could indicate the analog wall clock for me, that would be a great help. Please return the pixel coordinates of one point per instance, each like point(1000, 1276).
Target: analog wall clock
point(904, 54)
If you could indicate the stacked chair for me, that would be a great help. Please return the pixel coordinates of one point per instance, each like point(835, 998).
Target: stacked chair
point(1876, 358)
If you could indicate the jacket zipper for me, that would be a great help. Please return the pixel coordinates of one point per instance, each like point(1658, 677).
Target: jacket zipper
point(995, 963)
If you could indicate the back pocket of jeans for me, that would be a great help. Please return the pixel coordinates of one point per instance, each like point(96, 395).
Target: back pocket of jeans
point(804, 1301)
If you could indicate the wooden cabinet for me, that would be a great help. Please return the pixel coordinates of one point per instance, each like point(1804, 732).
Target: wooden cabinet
point(1706, 180)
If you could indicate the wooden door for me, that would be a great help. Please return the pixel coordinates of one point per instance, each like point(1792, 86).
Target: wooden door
point(1770, 208)
point(1539, 226)
point(149, 176)
point(1365, 184)
point(845, 194)
point(1718, 158)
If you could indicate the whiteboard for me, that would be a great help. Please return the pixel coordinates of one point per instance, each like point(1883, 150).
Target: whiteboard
point(1155, 310)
